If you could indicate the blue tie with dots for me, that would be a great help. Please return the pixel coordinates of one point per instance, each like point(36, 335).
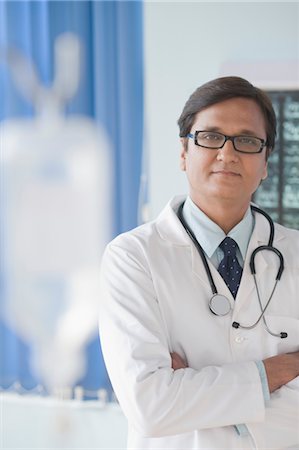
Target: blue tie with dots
point(229, 268)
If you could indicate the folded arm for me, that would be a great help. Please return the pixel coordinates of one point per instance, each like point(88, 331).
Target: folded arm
point(157, 399)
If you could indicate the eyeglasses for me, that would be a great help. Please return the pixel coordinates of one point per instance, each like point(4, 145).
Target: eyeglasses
point(214, 140)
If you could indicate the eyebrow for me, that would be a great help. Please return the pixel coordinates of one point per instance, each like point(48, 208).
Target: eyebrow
point(244, 132)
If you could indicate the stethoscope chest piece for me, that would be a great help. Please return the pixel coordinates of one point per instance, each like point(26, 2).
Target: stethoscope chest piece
point(220, 305)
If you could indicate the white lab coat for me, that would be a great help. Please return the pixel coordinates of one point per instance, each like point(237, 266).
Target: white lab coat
point(154, 301)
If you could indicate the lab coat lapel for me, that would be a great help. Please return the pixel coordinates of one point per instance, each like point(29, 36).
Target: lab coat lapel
point(198, 267)
point(170, 228)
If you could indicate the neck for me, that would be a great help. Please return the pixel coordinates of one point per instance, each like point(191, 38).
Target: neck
point(225, 214)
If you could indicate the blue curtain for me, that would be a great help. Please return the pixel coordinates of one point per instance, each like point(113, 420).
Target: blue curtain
point(111, 91)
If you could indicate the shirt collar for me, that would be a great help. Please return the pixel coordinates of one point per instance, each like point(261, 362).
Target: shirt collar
point(210, 235)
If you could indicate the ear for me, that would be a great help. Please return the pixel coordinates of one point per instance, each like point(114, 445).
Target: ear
point(183, 154)
point(265, 171)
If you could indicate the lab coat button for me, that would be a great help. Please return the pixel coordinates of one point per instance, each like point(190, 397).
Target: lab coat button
point(239, 339)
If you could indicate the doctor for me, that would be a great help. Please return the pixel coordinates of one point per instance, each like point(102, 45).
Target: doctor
point(187, 374)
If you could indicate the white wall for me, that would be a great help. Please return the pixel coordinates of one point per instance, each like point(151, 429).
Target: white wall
point(187, 44)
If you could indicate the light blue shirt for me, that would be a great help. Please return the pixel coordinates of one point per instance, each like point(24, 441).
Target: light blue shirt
point(210, 236)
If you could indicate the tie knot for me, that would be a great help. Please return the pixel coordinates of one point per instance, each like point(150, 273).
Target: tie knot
point(229, 246)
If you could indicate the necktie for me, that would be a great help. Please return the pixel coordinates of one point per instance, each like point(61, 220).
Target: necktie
point(229, 268)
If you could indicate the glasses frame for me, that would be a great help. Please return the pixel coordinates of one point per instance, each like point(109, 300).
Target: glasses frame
point(226, 138)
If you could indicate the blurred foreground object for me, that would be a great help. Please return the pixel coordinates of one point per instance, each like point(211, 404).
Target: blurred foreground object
point(28, 423)
point(56, 202)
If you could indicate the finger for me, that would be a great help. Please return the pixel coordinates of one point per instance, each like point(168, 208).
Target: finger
point(177, 361)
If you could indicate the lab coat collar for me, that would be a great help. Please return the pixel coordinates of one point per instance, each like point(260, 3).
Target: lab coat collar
point(170, 228)
point(168, 224)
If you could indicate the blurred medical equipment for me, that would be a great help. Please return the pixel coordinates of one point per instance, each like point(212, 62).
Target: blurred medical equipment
point(56, 202)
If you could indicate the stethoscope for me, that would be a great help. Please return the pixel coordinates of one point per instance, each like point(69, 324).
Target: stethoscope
point(219, 304)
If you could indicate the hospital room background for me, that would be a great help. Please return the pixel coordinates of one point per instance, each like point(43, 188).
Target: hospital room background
point(90, 95)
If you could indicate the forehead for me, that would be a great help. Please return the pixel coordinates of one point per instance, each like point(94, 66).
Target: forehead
point(233, 116)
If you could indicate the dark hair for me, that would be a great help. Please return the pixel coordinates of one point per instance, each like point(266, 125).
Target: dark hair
point(225, 88)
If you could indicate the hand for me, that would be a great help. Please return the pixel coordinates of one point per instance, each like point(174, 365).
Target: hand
point(281, 369)
point(177, 362)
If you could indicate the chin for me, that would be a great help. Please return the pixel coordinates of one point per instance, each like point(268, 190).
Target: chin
point(226, 196)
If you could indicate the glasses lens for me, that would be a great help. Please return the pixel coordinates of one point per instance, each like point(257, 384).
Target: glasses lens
point(247, 144)
point(210, 139)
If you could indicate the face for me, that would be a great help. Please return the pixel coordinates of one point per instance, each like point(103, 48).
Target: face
point(224, 174)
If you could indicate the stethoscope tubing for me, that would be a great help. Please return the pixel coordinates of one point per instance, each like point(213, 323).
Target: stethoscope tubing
point(199, 248)
point(215, 295)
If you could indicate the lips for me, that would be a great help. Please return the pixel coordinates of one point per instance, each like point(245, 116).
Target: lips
point(226, 172)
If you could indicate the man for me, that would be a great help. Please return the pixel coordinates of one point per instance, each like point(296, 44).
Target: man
point(193, 361)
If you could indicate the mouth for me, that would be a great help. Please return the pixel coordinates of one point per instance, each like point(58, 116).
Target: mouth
point(226, 173)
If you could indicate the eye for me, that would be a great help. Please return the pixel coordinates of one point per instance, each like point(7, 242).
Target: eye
point(210, 136)
point(247, 140)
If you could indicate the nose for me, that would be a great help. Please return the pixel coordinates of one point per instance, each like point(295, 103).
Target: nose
point(227, 153)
